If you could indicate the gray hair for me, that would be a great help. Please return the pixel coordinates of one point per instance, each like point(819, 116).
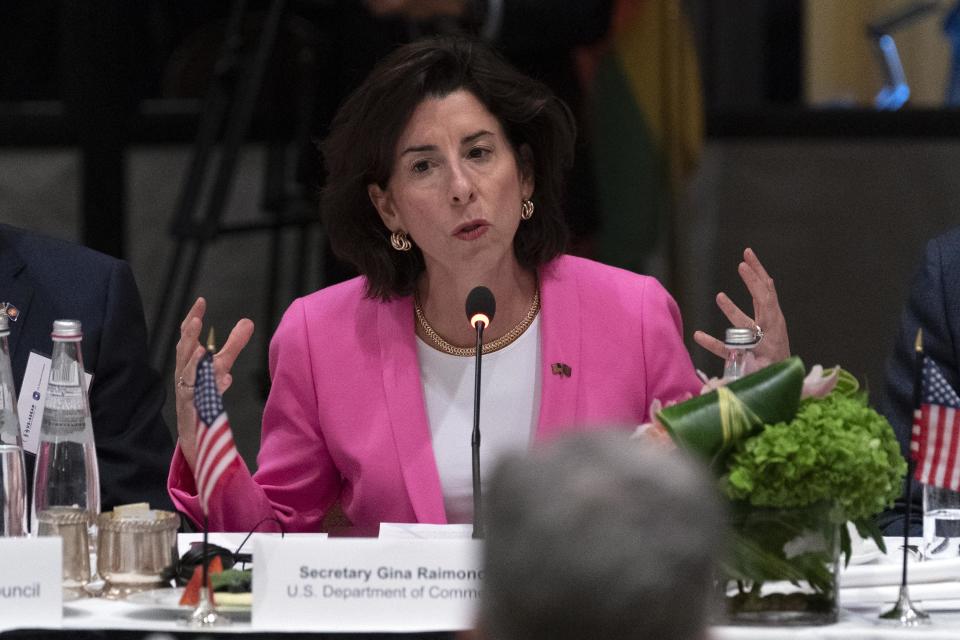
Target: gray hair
point(599, 536)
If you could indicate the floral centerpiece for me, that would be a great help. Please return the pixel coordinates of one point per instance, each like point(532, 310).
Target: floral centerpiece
point(796, 468)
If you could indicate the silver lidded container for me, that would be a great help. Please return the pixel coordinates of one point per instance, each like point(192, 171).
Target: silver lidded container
point(70, 524)
point(136, 552)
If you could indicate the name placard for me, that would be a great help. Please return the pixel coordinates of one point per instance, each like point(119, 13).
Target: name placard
point(371, 585)
point(31, 582)
point(420, 531)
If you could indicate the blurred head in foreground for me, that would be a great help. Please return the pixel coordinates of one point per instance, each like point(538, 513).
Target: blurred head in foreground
point(599, 536)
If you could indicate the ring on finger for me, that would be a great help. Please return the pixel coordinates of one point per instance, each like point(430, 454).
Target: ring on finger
point(757, 333)
point(182, 384)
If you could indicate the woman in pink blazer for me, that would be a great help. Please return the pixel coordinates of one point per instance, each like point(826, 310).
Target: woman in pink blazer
point(445, 169)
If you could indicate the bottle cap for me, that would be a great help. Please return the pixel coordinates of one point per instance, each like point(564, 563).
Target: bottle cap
point(67, 330)
point(4, 324)
point(740, 337)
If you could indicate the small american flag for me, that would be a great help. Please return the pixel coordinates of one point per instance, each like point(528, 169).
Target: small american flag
point(217, 456)
point(935, 441)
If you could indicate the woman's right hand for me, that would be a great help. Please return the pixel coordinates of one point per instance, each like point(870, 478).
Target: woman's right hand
point(189, 352)
point(775, 343)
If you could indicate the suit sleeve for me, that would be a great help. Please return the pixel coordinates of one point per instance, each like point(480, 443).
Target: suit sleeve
point(931, 306)
point(296, 481)
point(126, 400)
point(295, 467)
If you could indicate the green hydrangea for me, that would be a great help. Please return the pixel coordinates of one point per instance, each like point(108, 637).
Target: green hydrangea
point(836, 449)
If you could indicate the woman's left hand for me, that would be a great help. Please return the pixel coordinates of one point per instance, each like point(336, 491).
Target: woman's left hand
point(767, 320)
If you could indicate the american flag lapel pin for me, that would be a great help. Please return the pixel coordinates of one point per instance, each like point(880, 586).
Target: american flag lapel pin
point(561, 369)
point(12, 312)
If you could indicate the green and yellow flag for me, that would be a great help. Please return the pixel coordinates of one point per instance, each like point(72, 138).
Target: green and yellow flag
point(646, 124)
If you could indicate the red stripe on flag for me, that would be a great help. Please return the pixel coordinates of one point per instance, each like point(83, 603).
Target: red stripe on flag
point(218, 441)
point(936, 426)
point(214, 472)
point(944, 468)
point(221, 470)
point(203, 440)
point(221, 443)
point(216, 451)
point(952, 474)
point(939, 465)
point(929, 443)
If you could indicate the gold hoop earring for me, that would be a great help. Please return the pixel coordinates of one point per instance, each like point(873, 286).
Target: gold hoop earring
point(400, 241)
point(526, 209)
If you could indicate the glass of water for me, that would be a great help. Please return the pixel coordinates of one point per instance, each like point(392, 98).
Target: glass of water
point(941, 523)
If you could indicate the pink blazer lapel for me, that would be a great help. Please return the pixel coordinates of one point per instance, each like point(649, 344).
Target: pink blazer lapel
point(408, 415)
point(560, 351)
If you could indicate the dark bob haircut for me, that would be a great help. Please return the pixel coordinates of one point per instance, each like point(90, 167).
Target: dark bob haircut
point(361, 147)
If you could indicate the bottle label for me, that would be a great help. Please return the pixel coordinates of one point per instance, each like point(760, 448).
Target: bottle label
point(64, 412)
point(61, 422)
point(65, 373)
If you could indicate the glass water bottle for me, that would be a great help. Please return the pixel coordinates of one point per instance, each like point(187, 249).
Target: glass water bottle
point(13, 492)
point(738, 342)
point(66, 473)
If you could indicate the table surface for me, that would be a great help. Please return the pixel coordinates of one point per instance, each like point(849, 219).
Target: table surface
point(99, 614)
point(125, 619)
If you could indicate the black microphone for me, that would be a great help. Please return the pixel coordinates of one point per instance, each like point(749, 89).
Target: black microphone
point(480, 306)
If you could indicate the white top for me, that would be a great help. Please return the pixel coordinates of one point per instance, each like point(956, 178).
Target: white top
point(509, 407)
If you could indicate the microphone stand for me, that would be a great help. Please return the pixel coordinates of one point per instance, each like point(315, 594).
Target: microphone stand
point(475, 438)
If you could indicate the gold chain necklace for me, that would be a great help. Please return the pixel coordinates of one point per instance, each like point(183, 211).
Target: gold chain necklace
point(442, 345)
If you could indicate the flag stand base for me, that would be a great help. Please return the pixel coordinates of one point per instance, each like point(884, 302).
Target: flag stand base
point(905, 613)
point(206, 614)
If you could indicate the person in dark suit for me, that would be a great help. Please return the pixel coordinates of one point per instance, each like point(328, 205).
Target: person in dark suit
point(934, 306)
point(42, 280)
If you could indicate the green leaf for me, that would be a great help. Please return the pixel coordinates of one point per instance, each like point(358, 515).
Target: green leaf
point(769, 395)
point(847, 384)
point(846, 546)
point(867, 528)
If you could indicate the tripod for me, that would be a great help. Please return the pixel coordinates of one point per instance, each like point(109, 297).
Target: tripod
point(229, 108)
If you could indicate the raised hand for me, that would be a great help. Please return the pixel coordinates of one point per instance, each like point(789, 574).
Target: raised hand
point(767, 321)
point(189, 352)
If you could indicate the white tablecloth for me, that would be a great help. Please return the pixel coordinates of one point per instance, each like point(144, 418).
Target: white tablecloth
point(96, 613)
